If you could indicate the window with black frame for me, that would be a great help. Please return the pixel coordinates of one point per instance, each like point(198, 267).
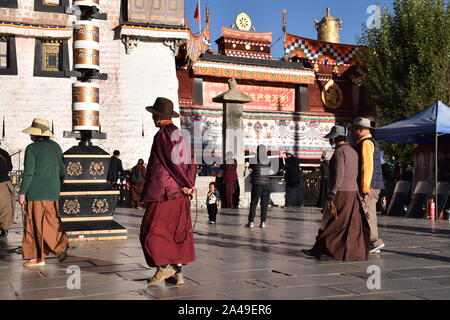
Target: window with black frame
point(51, 58)
point(8, 3)
point(8, 62)
point(58, 6)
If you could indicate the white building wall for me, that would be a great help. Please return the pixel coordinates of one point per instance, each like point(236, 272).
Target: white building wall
point(135, 80)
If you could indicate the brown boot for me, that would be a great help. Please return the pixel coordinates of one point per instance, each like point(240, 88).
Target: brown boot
point(177, 279)
point(161, 274)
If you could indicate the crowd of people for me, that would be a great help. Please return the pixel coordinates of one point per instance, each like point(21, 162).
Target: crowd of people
point(164, 189)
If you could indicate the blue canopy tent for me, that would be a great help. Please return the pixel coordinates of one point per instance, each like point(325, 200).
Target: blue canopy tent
point(430, 126)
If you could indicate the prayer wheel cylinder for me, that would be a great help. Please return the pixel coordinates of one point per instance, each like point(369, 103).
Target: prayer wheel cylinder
point(85, 106)
point(85, 30)
point(86, 54)
point(87, 3)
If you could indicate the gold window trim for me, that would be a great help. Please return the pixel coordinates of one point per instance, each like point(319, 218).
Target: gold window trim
point(51, 47)
point(49, 3)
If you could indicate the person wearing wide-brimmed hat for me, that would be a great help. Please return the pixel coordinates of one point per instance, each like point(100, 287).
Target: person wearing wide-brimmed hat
point(344, 233)
point(370, 177)
point(166, 233)
point(39, 192)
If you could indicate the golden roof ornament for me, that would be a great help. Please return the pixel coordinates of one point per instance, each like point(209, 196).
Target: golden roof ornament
point(243, 22)
point(328, 28)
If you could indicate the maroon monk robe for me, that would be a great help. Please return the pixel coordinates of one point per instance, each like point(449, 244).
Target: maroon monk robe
point(136, 189)
point(166, 235)
point(230, 178)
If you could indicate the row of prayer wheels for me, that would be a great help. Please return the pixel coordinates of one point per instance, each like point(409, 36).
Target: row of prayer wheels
point(86, 57)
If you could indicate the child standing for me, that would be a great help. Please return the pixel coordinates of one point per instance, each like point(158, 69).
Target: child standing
point(212, 200)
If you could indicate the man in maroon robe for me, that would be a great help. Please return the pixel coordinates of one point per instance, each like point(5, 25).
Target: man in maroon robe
point(137, 184)
point(166, 229)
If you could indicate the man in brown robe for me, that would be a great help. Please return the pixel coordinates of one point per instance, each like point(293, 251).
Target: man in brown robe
point(166, 230)
point(344, 234)
point(7, 200)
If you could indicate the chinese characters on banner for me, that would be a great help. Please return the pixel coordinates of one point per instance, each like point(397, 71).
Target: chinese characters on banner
point(265, 98)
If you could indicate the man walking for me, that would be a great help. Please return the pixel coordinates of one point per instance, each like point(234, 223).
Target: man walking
point(370, 177)
point(260, 180)
point(115, 170)
point(166, 230)
point(7, 200)
point(41, 185)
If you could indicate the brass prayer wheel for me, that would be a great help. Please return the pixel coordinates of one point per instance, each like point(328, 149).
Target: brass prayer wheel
point(85, 118)
point(88, 3)
point(85, 30)
point(86, 55)
point(85, 93)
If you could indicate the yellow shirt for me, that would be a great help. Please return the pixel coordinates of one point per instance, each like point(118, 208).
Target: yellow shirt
point(367, 151)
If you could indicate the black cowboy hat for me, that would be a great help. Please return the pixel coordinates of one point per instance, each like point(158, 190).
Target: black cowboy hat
point(163, 107)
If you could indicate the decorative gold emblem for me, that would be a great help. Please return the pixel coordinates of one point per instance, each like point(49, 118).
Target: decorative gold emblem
point(316, 67)
point(96, 169)
point(71, 206)
point(336, 70)
point(243, 22)
point(74, 169)
point(332, 95)
point(100, 206)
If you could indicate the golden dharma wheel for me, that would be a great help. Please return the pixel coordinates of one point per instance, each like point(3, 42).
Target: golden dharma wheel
point(86, 31)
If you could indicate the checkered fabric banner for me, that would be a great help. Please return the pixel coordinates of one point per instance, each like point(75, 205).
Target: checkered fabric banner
point(319, 51)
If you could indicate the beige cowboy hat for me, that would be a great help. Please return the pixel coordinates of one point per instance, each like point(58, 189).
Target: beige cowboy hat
point(163, 107)
point(39, 127)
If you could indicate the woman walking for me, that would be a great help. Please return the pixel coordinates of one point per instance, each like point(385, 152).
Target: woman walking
point(39, 192)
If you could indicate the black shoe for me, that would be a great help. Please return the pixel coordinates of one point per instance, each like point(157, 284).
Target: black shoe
point(63, 255)
point(311, 253)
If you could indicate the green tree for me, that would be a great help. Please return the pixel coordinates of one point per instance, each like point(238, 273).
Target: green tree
point(406, 63)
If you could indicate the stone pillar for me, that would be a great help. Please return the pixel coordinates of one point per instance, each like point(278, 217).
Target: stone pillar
point(233, 127)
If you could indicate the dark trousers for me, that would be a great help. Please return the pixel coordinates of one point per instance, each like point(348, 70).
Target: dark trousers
point(212, 212)
point(263, 193)
point(294, 195)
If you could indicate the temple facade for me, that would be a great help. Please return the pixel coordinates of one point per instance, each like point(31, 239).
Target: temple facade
point(296, 99)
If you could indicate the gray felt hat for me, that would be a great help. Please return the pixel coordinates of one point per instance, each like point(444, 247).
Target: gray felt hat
point(336, 131)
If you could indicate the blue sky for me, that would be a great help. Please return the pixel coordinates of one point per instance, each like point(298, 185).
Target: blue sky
point(266, 16)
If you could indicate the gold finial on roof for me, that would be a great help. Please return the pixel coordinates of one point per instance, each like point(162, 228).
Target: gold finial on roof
point(328, 28)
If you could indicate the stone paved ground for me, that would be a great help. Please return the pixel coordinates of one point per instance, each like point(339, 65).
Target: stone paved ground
point(236, 263)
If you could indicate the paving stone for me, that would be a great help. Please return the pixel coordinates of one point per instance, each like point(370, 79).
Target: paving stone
point(288, 293)
point(49, 293)
point(432, 294)
point(236, 263)
point(111, 287)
